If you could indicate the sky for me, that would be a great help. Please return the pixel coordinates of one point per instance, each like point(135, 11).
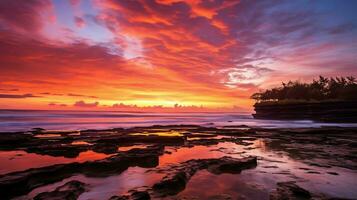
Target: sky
point(205, 55)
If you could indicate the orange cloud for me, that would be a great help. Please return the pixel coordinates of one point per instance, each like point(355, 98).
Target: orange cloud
point(159, 53)
point(86, 105)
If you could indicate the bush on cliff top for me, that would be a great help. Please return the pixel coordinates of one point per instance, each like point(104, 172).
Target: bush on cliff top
point(323, 89)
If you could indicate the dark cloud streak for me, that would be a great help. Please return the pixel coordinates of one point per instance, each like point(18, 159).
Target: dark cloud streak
point(17, 96)
point(85, 105)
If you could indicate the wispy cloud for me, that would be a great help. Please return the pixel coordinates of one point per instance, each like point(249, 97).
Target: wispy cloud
point(80, 95)
point(86, 105)
point(57, 104)
point(17, 96)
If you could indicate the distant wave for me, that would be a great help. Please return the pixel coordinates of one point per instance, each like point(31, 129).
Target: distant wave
point(22, 120)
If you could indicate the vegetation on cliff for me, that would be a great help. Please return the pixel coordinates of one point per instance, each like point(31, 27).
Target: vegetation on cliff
point(323, 89)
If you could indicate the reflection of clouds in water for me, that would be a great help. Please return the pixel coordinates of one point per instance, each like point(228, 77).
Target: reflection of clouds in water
point(104, 188)
point(273, 167)
point(187, 153)
point(11, 161)
point(205, 185)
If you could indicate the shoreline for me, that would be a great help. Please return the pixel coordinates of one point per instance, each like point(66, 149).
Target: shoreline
point(166, 152)
point(24, 121)
point(316, 125)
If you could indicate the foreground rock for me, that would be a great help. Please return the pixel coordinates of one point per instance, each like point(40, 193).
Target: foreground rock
point(289, 191)
point(59, 143)
point(68, 191)
point(322, 147)
point(179, 175)
point(135, 195)
point(18, 183)
point(325, 147)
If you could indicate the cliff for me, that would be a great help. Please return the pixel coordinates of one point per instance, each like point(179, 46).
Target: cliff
point(328, 111)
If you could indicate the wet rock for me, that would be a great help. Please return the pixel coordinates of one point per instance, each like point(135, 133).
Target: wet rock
point(10, 141)
point(135, 195)
point(105, 148)
point(313, 172)
point(204, 142)
point(323, 147)
point(236, 126)
point(68, 191)
point(123, 197)
point(318, 147)
point(153, 139)
point(58, 150)
point(103, 141)
point(173, 184)
point(18, 183)
point(222, 197)
point(140, 195)
point(320, 165)
point(179, 175)
point(289, 191)
point(270, 167)
point(231, 165)
point(38, 130)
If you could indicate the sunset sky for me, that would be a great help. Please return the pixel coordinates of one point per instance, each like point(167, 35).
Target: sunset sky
point(195, 54)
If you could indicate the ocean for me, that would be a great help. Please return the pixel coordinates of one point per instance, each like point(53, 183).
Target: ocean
point(23, 120)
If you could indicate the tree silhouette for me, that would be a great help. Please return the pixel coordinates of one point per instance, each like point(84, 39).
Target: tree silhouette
point(339, 88)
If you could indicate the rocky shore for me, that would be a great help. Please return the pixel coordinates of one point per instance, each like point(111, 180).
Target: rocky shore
point(229, 151)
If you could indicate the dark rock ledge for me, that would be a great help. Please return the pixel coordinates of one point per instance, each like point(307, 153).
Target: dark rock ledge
point(19, 183)
point(69, 191)
point(291, 191)
point(179, 175)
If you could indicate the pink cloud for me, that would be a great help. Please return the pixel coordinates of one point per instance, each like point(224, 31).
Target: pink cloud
point(23, 15)
point(80, 23)
point(86, 105)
